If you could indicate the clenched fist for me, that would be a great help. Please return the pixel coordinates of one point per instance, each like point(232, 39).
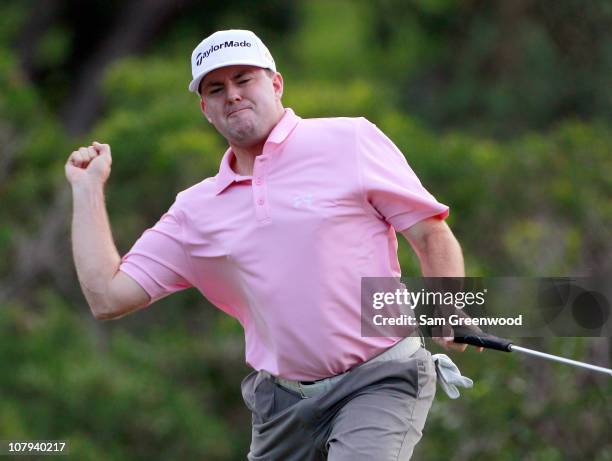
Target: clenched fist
point(89, 164)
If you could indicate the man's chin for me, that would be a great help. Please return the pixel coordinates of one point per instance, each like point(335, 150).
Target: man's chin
point(243, 135)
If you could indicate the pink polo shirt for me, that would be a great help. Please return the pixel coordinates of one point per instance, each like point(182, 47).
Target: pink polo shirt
point(284, 251)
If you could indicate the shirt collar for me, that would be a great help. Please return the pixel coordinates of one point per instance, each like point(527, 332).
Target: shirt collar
point(278, 135)
point(284, 127)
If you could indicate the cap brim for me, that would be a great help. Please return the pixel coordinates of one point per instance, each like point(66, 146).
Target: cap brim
point(195, 83)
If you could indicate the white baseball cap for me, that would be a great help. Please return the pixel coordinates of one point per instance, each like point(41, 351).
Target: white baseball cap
point(228, 48)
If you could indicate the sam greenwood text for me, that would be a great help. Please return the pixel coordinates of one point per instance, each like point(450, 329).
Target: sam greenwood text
point(452, 320)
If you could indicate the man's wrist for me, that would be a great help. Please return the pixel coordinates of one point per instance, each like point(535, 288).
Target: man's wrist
point(87, 187)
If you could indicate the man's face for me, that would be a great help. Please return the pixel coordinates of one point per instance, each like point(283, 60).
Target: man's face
point(242, 102)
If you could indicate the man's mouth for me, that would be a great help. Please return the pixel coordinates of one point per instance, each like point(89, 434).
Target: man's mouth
point(235, 111)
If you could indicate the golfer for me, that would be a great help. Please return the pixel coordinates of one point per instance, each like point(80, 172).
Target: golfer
point(299, 212)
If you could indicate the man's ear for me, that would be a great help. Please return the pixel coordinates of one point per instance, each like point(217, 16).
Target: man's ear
point(203, 107)
point(277, 83)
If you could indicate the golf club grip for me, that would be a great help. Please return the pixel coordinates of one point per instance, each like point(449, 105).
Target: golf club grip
point(486, 341)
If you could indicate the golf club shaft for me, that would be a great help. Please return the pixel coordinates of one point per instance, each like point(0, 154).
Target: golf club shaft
point(493, 342)
point(575, 363)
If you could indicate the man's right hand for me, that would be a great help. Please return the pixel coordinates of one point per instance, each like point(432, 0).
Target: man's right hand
point(90, 164)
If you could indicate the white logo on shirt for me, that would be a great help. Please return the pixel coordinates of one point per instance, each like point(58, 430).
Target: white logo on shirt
point(300, 201)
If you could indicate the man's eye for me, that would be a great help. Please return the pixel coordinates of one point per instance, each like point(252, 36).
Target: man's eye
point(244, 80)
point(215, 90)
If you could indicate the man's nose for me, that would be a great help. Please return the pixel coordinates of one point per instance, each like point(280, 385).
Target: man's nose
point(233, 92)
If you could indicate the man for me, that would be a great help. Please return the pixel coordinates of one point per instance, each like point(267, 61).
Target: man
point(300, 211)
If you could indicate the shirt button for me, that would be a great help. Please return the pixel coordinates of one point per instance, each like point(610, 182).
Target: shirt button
point(258, 181)
point(260, 201)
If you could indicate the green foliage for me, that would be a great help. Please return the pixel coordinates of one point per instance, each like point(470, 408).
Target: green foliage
point(521, 408)
point(501, 108)
point(137, 398)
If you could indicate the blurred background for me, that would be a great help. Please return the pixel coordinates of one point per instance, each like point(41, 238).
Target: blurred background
point(503, 108)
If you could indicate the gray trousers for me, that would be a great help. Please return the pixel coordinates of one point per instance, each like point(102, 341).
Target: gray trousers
point(375, 413)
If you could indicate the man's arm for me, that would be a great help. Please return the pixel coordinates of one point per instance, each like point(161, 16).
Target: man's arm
point(109, 292)
point(436, 247)
point(440, 255)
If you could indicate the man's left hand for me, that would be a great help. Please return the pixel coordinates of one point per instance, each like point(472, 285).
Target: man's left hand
point(448, 343)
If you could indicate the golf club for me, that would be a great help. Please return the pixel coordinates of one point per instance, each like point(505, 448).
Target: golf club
point(505, 345)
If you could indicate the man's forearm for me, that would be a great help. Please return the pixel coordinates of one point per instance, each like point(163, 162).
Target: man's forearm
point(95, 254)
point(441, 255)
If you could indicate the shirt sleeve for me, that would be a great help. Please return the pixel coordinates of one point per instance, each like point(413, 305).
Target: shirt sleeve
point(157, 261)
point(389, 184)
